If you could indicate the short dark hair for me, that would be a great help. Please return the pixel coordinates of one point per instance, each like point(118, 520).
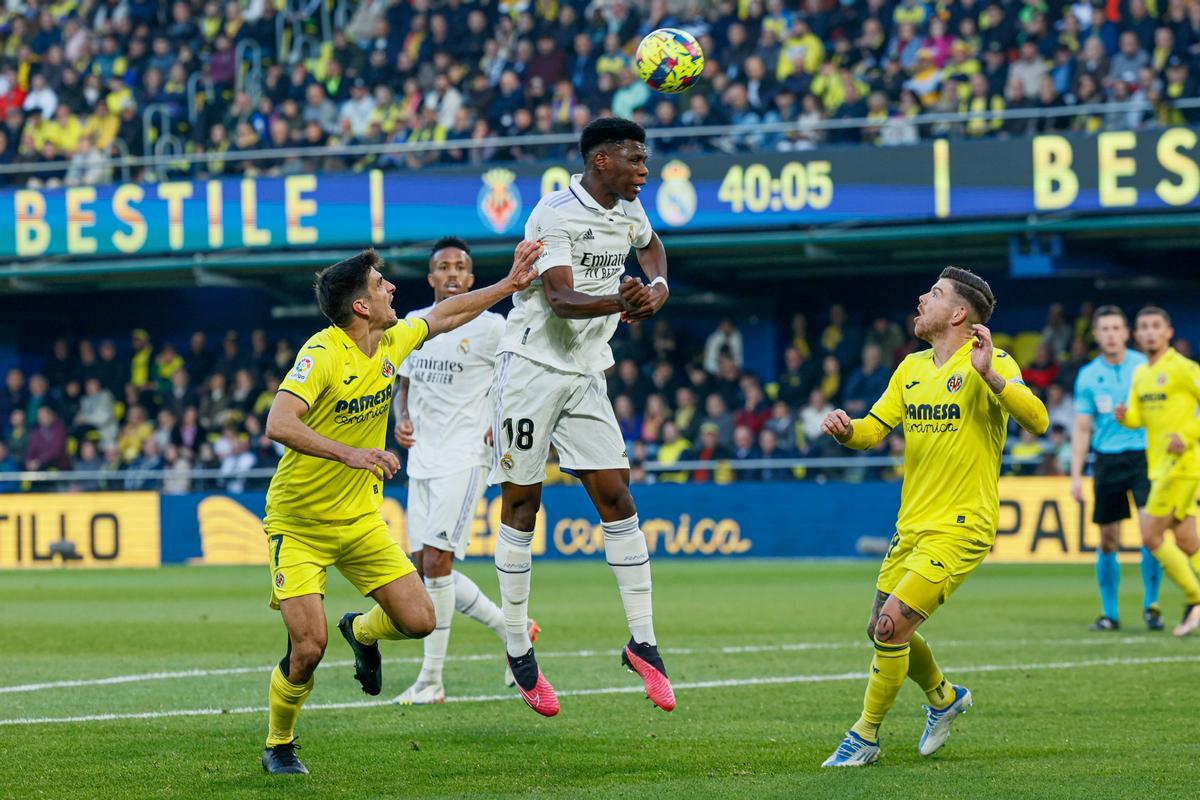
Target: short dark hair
point(449, 241)
point(1150, 311)
point(974, 290)
point(338, 286)
point(1109, 311)
point(608, 130)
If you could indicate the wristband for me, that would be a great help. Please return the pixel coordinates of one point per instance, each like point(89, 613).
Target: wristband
point(663, 281)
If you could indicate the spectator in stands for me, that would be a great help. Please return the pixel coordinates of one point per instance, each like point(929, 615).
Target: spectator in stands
point(97, 412)
point(244, 394)
point(769, 449)
point(1076, 360)
point(1028, 70)
point(166, 430)
point(178, 468)
point(134, 433)
point(887, 336)
point(140, 363)
point(709, 448)
point(149, 460)
point(627, 419)
point(654, 418)
point(789, 433)
point(189, 434)
point(14, 395)
point(88, 460)
point(725, 339)
point(1028, 453)
point(717, 413)
point(18, 434)
point(60, 367)
point(180, 394)
point(830, 383)
point(728, 380)
point(1059, 406)
point(215, 403)
point(39, 395)
point(671, 451)
point(8, 464)
point(743, 449)
point(230, 360)
point(867, 383)
point(687, 414)
point(798, 377)
point(199, 359)
point(1058, 332)
point(110, 371)
point(662, 379)
point(47, 447)
point(755, 409)
point(166, 363)
point(813, 414)
point(631, 382)
point(1044, 369)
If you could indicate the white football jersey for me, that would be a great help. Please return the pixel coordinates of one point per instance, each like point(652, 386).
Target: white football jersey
point(449, 379)
point(594, 241)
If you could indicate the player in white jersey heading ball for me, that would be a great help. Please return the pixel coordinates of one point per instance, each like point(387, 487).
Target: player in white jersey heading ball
point(443, 417)
point(549, 388)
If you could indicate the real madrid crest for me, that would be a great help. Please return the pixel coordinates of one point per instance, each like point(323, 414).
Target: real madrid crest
point(464, 346)
point(631, 233)
point(676, 196)
point(506, 461)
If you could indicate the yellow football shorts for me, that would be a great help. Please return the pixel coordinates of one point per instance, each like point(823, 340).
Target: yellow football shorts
point(301, 550)
point(923, 570)
point(1173, 497)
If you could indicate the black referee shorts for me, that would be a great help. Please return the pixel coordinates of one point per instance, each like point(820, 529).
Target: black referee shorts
point(1116, 475)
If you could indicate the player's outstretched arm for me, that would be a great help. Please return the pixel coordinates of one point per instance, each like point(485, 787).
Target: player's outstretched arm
point(567, 303)
point(856, 434)
point(1013, 395)
point(286, 426)
point(456, 311)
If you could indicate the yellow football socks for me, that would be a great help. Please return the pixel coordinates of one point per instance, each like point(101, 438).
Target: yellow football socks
point(925, 673)
point(1178, 568)
point(374, 625)
point(286, 698)
point(888, 669)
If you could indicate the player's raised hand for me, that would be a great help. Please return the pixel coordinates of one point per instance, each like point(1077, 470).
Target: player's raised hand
point(837, 424)
point(1176, 445)
point(379, 463)
point(981, 349)
point(523, 272)
point(639, 300)
point(404, 434)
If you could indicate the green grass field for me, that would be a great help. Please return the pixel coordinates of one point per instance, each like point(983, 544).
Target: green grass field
point(1059, 712)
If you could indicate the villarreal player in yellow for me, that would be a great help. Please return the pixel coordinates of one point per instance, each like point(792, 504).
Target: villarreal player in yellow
point(331, 414)
point(953, 401)
point(1163, 400)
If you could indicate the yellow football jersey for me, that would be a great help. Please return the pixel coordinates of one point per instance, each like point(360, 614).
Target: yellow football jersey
point(954, 432)
point(1163, 400)
point(348, 395)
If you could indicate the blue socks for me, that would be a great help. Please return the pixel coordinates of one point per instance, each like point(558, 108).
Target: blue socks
point(1151, 578)
point(1108, 575)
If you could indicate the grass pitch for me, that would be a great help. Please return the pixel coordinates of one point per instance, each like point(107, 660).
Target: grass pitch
point(768, 660)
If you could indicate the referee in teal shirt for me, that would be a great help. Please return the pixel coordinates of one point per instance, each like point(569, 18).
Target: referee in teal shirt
point(1119, 470)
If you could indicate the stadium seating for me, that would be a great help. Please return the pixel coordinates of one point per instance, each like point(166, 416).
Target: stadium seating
point(79, 82)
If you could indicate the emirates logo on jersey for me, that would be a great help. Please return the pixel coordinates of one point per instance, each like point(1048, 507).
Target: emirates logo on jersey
point(954, 382)
point(389, 369)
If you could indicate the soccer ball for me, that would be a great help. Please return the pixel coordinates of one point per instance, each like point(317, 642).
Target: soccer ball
point(670, 60)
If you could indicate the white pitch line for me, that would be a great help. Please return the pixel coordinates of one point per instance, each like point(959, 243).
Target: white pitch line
point(773, 680)
point(476, 657)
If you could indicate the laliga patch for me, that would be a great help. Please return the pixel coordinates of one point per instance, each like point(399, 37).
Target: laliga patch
point(388, 369)
point(506, 461)
point(278, 580)
point(300, 372)
point(954, 382)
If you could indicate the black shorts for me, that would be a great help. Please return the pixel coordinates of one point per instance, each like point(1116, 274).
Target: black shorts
point(1116, 475)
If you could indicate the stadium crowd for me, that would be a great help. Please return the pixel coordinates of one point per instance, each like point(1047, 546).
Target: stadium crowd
point(149, 406)
point(77, 75)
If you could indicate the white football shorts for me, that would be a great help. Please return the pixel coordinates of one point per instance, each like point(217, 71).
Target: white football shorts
point(441, 510)
point(537, 406)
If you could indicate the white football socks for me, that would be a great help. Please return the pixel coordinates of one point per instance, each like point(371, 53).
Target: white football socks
point(514, 561)
point(470, 601)
point(625, 549)
point(441, 592)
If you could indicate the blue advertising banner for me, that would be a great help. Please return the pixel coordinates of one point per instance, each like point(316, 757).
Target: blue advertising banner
point(1112, 171)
